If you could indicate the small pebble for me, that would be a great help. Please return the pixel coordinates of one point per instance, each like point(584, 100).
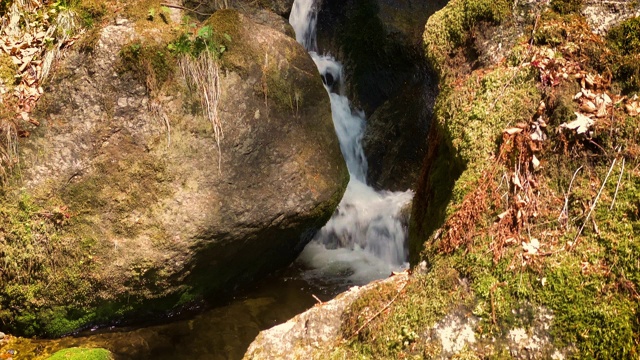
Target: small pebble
point(2, 335)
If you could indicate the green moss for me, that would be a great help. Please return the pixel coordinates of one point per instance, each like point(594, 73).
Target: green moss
point(591, 290)
point(229, 32)
point(395, 333)
point(91, 11)
point(4, 6)
point(50, 251)
point(120, 188)
point(8, 69)
point(282, 91)
point(469, 119)
point(139, 10)
point(550, 34)
point(625, 41)
point(151, 63)
point(473, 115)
point(448, 28)
point(626, 36)
point(601, 325)
point(566, 6)
point(81, 354)
point(225, 22)
point(42, 264)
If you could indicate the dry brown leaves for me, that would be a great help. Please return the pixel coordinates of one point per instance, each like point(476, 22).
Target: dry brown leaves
point(518, 155)
point(26, 45)
point(553, 69)
point(632, 105)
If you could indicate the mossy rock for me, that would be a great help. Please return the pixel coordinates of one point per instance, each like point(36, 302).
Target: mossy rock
point(566, 6)
point(449, 28)
point(625, 39)
point(81, 354)
point(163, 215)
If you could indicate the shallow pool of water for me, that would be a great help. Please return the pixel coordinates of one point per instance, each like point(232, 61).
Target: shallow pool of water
point(216, 333)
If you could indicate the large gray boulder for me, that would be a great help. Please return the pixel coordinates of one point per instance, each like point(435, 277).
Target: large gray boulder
point(141, 211)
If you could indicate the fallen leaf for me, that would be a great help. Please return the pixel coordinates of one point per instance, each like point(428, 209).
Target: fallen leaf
point(588, 94)
point(588, 106)
point(516, 180)
point(602, 110)
point(512, 131)
point(531, 248)
point(581, 124)
point(537, 134)
point(590, 80)
point(632, 108)
point(25, 62)
point(535, 162)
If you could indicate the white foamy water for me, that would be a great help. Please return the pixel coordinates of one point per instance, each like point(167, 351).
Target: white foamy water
point(303, 19)
point(365, 239)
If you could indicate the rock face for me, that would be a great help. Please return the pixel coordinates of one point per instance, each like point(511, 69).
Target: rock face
point(314, 330)
point(279, 7)
point(379, 43)
point(602, 15)
point(395, 140)
point(159, 213)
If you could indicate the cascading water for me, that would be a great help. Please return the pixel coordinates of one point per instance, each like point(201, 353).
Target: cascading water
point(365, 238)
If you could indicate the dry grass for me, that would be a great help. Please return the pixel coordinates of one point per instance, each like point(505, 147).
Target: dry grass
point(202, 76)
point(8, 148)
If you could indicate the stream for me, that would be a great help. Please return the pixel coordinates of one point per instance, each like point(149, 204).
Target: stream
point(365, 240)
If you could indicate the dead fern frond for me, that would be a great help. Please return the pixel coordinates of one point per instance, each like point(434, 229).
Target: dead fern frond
point(460, 228)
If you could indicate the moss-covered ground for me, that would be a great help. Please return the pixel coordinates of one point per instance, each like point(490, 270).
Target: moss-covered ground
point(516, 215)
point(81, 354)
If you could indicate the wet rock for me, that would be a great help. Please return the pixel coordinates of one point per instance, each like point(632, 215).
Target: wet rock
point(315, 329)
point(395, 140)
point(386, 75)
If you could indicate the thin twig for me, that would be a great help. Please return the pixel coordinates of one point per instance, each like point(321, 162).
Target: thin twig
point(598, 146)
point(565, 208)
point(617, 186)
point(593, 206)
point(317, 299)
point(381, 310)
point(184, 8)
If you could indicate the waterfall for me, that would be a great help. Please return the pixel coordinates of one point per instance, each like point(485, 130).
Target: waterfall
point(365, 239)
point(303, 19)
